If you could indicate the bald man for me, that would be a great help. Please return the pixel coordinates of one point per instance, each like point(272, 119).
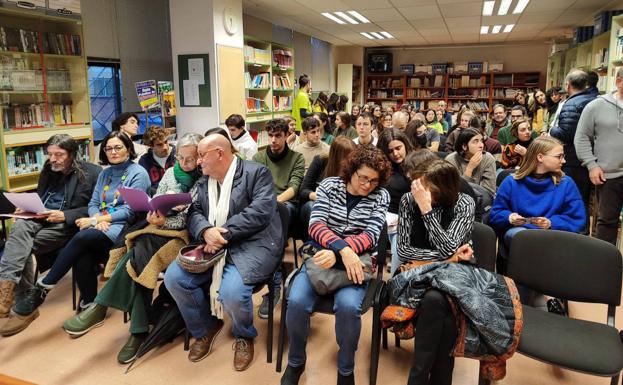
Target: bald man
point(246, 223)
point(400, 120)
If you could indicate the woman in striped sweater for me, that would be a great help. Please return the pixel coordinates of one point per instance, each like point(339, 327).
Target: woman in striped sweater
point(435, 225)
point(346, 221)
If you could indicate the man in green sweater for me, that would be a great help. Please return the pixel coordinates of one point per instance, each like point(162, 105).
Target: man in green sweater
point(288, 168)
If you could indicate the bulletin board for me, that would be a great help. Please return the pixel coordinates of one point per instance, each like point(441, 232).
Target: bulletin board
point(231, 81)
point(194, 78)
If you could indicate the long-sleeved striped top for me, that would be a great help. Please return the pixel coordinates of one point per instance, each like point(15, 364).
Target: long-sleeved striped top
point(444, 242)
point(335, 227)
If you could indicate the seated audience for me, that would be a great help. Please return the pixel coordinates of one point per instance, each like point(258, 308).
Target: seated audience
point(432, 122)
point(537, 103)
point(463, 122)
point(512, 153)
point(377, 111)
point(440, 118)
point(383, 122)
point(343, 127)
point(400, 120)
point(498, 122)
point(235, 209)
point(346, 222)
point(293, 139)
point(325, 127)
point(321, 102)
point(127, 122)
point(65, 186)
point(364, 130)
point(504, 135)
point(240, 137)
point(474, 164)
point(313, 145)
point(492, 146)
point(521, 100)
point(422, 136)
point(160, 156)
point(390, 110)
point(108, 215)
point(355, 111)
point(133, 273)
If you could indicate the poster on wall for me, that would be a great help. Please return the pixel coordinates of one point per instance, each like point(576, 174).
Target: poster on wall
point(167, 98)
point(147, 94)
point(194, 78)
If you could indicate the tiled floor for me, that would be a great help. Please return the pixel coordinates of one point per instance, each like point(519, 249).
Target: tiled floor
point(44, 354)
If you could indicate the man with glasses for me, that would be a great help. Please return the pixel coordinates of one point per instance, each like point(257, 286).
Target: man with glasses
point(504, 134)
point(598, 143)
point(65, 186)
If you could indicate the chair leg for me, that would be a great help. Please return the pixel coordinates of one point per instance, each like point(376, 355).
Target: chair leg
point(73, 290)
point(615, 379)
point(186, 340)
point(376, 341)
point(282, 328)
point(396, 341)
point(296, 257)
point(482, 381)
point(269, 335)
point(384, 335)
point(125, 317)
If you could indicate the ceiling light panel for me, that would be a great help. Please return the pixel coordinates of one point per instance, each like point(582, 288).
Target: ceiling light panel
point(504, 7)
point(487, 8)
point(334, 18)
point(484, 30)
point(359, 16)
point(346, 17)
point(509, 28)
point(496, 29)
point(377, 35)
point(521, 5)
point(387, 34)
point(367, 35)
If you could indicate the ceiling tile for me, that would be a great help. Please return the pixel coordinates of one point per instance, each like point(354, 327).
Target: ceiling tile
point(529, 27)
point(539, 17)
point(318, 5)
point(591, 4)
point(434, 32)
point(548, 5)
point(415, 40)
point(454, 1)
point(314, 19)
point(457, 32)
point(439, 40)
point(397, 25)
point(423, 12)
point(461, 9)
point(367, 4)
point(428, 23)
point(506, 19)
point(459, 22)
point(466, 38)
point(412, 3)
point(388, 14)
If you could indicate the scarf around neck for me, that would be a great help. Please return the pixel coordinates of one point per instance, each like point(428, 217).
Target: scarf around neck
point(185, 179)
point(277, 157)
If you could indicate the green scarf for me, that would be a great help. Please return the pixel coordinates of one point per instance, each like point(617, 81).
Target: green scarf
point(186, 179)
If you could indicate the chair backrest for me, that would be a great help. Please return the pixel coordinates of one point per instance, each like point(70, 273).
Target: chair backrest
point(567, 265)
point(284, 215)
point(6, 207)
point(484, 243)
point(381, 249)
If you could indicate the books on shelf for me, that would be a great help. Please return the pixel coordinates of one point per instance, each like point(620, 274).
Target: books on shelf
point(618, 48)
point(437, 81)
point(32, 80)
point(256, 55)
point(33, 115)
point(282, 82)
point(282, 103)
point(601, 58)
point(22, 40)
point(257, 105)
point(30, 159)
point(282, 58)
point(385, 83)
point(419, 93)
point(472, 105)
point(259, 81)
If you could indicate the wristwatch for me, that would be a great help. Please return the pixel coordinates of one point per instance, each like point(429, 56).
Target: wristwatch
point(93, 222)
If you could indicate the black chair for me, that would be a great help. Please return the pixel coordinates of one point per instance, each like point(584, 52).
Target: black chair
point(6, 207)
point(283, 215)
point(577, 268)
point(325, 305)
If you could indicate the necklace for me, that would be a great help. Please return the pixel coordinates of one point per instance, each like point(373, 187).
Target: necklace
point(104, 208)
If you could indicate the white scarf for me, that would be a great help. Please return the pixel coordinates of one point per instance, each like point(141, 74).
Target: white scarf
point(219, 210)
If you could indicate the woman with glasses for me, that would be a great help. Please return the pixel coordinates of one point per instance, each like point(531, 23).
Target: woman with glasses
point(108, 215)
point(383, 123)
point(538, 196)
point(346, 222)
point(134, 275)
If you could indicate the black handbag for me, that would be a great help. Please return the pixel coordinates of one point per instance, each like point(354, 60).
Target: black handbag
point(327, 281)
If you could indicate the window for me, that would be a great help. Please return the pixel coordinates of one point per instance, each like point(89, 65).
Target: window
point(105, 91)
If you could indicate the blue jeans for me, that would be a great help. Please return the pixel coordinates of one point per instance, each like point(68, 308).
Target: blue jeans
point(525, 294)
point(347, 308)
point(187, 290)
point(393, 243)
point(510, 233)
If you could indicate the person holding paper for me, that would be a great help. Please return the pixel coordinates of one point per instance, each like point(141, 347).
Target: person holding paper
point(236, 210)
point(65, 186)
point(108, 215)
point(133, 273)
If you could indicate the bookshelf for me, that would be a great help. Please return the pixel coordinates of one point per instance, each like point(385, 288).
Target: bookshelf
point(479, 91)
point(43, 91)
point(616, 48)
point(349, 77)
point(269, 84)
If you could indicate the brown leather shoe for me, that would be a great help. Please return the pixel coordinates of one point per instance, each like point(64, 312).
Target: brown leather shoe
point(203, 346)
point(243, 353)
point(16, 323)
point(6, 297)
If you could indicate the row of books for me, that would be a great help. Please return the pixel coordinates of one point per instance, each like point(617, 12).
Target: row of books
point(508, 93)
point(283, 58)
point(282, 82)
point(282, 103)
point(260, 80)
point(25, 160)
point(33, 115)
point(257, 105)
point(472, 105)
point(469, 92)
point(32, 80)
point(256, 55)
point(382, 94)
point(437, 81)
point(467, 81)
point(601, 58)
point(419, 93)
point(21, 40)
point(385, 83)
point(618, 46)
point(423, 105)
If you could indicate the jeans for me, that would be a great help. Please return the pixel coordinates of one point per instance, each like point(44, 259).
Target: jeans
point(510, 233)
point(610, 202)
point(393, 243)
point(580, 176)
point(83, 252)
point(188, 291)
point(347, 308)
point(305, 214)
point(526, 294)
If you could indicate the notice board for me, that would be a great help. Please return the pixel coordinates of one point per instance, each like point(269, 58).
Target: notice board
point(194, 77)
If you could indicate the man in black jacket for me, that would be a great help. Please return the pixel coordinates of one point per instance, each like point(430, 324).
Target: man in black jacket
point(65, 186)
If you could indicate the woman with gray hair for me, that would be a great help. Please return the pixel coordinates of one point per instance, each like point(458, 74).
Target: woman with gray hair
point(134, 269)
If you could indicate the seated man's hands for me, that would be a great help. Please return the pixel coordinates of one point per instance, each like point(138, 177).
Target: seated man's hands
point(214, 240)
point(54, 216)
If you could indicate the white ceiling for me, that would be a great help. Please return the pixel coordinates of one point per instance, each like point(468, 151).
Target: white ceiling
point(428, 22)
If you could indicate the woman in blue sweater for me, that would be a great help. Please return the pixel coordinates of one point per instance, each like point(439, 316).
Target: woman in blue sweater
point(108, 214)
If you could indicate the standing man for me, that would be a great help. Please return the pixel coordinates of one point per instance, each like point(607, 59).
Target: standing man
point(579, 96)
point(235, 209)
point(301, 108)
point(598, 142)
point(65, 186)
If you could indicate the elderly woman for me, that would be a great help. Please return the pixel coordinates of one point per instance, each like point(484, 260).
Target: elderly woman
point(345, 225)
point(134, 274)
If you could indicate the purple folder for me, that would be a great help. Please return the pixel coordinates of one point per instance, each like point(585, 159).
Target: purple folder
point(138, 200)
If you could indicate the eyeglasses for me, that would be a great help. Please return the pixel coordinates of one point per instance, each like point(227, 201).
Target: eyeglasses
point(117, 148)
point(364, 180)
point(190, 160)
point(207, 151)
point(559, 156)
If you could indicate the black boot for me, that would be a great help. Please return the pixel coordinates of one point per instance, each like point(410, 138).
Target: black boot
point(345, 380)
point(32, 299)
point(292, 375)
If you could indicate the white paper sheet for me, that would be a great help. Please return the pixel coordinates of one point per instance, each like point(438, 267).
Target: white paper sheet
point(28, 202)
point(195, 70)
point(191, 92)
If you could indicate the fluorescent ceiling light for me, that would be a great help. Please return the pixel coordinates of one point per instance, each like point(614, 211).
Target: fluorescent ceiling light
point(377, 35)
point(487, 8)
point(504, 7)
point(346, 17)
point(509, 28)
point(367, 35)
point(359, 16)
point(330, 16)
point(521, 5)
point(387, 34)
point(484, 30)
point(496, 29)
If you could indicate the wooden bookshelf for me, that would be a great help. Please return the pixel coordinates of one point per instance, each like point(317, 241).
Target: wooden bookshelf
point(349, 79)
point(43, 91)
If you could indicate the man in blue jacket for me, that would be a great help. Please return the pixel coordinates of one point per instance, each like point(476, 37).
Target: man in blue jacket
point(579, 96)
point(236, 210)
